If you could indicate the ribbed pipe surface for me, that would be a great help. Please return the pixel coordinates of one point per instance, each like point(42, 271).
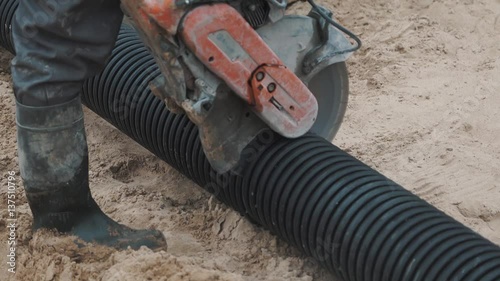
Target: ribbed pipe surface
point(352, 219)
point(7, 10)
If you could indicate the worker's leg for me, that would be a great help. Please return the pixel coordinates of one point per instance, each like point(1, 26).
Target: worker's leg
point(60, 43)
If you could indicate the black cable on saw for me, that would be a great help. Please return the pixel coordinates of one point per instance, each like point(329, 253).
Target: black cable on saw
point(339, 27)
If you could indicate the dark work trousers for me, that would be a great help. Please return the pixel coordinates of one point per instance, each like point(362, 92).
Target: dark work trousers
point(59, 44)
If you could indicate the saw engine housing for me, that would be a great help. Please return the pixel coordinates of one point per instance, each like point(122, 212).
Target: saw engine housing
point(236, 68)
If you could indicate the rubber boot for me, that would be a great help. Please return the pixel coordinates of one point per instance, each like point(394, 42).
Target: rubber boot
point(53, 159)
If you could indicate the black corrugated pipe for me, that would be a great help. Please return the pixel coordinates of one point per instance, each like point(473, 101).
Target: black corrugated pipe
point(7, 10)
point(352, 219)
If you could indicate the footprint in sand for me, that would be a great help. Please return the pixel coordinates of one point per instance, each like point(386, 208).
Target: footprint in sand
point(494, 224)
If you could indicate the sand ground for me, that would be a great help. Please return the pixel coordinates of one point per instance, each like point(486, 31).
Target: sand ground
point(424, 110)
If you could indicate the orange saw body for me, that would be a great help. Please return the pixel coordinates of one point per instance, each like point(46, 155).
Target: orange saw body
point(239, 67)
